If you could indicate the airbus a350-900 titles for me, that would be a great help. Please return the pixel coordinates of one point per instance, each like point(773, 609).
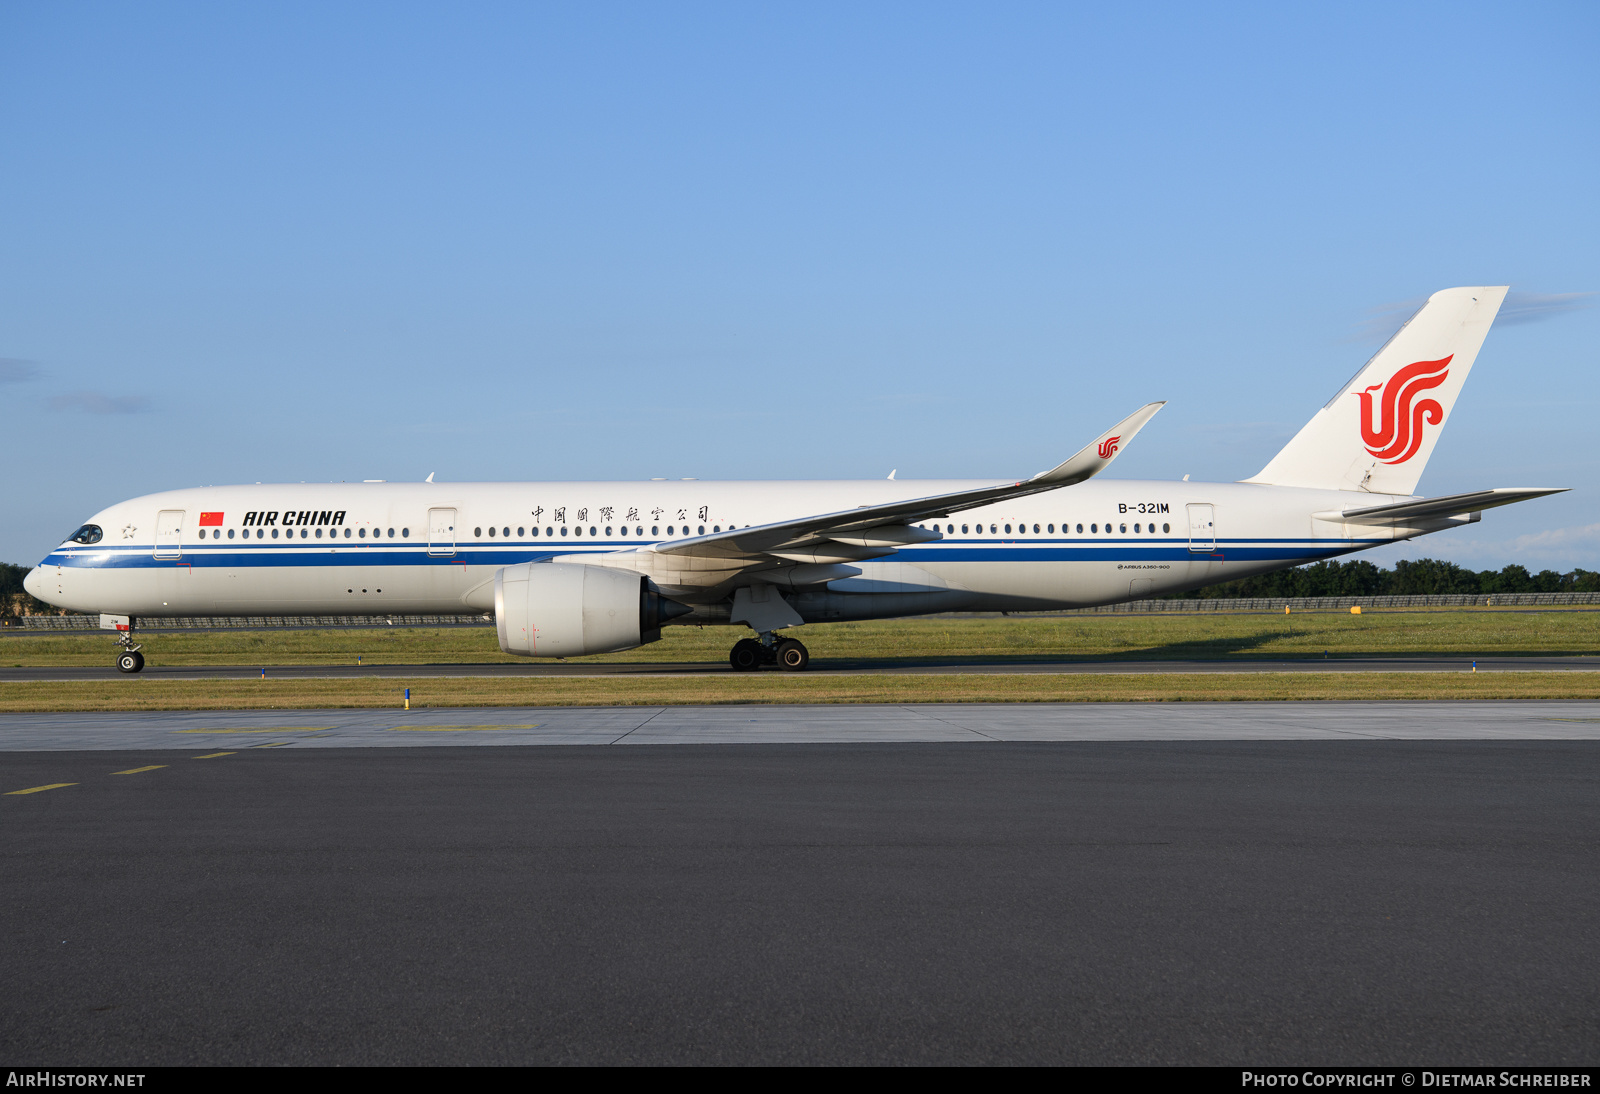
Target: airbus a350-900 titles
point(573, 568)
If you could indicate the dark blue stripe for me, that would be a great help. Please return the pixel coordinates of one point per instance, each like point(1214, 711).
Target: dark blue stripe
point(313, 555)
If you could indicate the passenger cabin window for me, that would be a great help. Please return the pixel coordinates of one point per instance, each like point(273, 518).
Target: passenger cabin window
point(1166, 527)
point(477, 533)
point(654, 531)
point(491, 533)
point(520, 532)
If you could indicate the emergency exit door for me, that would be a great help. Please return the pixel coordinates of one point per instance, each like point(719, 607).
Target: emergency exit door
point(1202, 528)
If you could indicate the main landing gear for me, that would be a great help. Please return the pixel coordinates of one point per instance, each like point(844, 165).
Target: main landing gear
point(748, 654)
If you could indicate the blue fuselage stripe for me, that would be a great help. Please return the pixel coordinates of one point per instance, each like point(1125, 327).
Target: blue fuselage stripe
point(1288, 551)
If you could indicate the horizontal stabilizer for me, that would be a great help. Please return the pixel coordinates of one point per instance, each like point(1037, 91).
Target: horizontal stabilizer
point(1449, 505)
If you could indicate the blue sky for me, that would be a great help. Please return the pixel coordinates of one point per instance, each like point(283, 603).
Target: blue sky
point(315, 242)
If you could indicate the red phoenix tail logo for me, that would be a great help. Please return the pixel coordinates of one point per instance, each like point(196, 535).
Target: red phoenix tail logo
point(1397, 434)
point(1108, 446)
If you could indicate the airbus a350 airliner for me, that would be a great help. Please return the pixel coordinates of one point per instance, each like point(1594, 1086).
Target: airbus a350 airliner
point(573, 568)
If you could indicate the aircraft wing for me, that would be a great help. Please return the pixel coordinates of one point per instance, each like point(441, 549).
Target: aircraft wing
point(848, 534)
point(1450, 505)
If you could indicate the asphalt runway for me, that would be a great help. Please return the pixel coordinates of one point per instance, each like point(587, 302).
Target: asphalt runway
point(929, 723)
point(840, 666)
point(1292, 901)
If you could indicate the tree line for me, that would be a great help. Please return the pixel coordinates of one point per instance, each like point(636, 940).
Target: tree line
point(13, 600)
point(1424, 577)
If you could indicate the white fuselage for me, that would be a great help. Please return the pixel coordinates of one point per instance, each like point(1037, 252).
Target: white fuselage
point(364, 548)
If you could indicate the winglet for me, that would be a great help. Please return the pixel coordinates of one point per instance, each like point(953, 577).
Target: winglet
point(1097, 455)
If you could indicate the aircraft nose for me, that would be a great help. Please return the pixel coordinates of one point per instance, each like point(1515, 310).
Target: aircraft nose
point(34, 583)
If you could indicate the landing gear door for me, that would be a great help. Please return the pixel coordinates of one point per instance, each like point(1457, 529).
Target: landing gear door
point(169, 534)
point(441, 532)
point(1202, 529)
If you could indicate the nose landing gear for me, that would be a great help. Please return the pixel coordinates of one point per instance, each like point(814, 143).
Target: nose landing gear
point(748, 654)
point(130, 659)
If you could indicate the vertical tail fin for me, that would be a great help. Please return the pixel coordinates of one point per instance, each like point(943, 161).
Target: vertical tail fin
point(1377, 433)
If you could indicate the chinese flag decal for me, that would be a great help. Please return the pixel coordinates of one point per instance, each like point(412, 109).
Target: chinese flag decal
point(208, 520)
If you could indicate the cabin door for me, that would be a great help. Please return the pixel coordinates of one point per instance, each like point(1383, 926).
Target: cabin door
point(441, 532)
point(169, 534)
point(1202, 529)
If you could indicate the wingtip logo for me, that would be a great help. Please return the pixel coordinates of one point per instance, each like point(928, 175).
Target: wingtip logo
point(1401, 415)
point(1108, 447)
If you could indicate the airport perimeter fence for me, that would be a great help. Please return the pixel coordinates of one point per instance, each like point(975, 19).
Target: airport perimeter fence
point(1342, 603)
point(1132, 607)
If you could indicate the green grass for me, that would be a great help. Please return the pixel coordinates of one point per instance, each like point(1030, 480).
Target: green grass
point(1129, 637)
point(146, 693)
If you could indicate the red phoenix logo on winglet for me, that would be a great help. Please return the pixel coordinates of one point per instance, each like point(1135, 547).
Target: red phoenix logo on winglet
point(1108, 446)
point(1398, 434)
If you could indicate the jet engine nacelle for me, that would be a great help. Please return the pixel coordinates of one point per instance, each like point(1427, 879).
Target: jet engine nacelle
point(544, 609)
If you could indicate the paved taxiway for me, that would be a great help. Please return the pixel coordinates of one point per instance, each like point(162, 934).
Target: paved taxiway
point(898, 666)
point(1293, 901)
point(1520, 720)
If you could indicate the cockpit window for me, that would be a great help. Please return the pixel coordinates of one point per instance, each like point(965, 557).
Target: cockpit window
point(89, 533)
